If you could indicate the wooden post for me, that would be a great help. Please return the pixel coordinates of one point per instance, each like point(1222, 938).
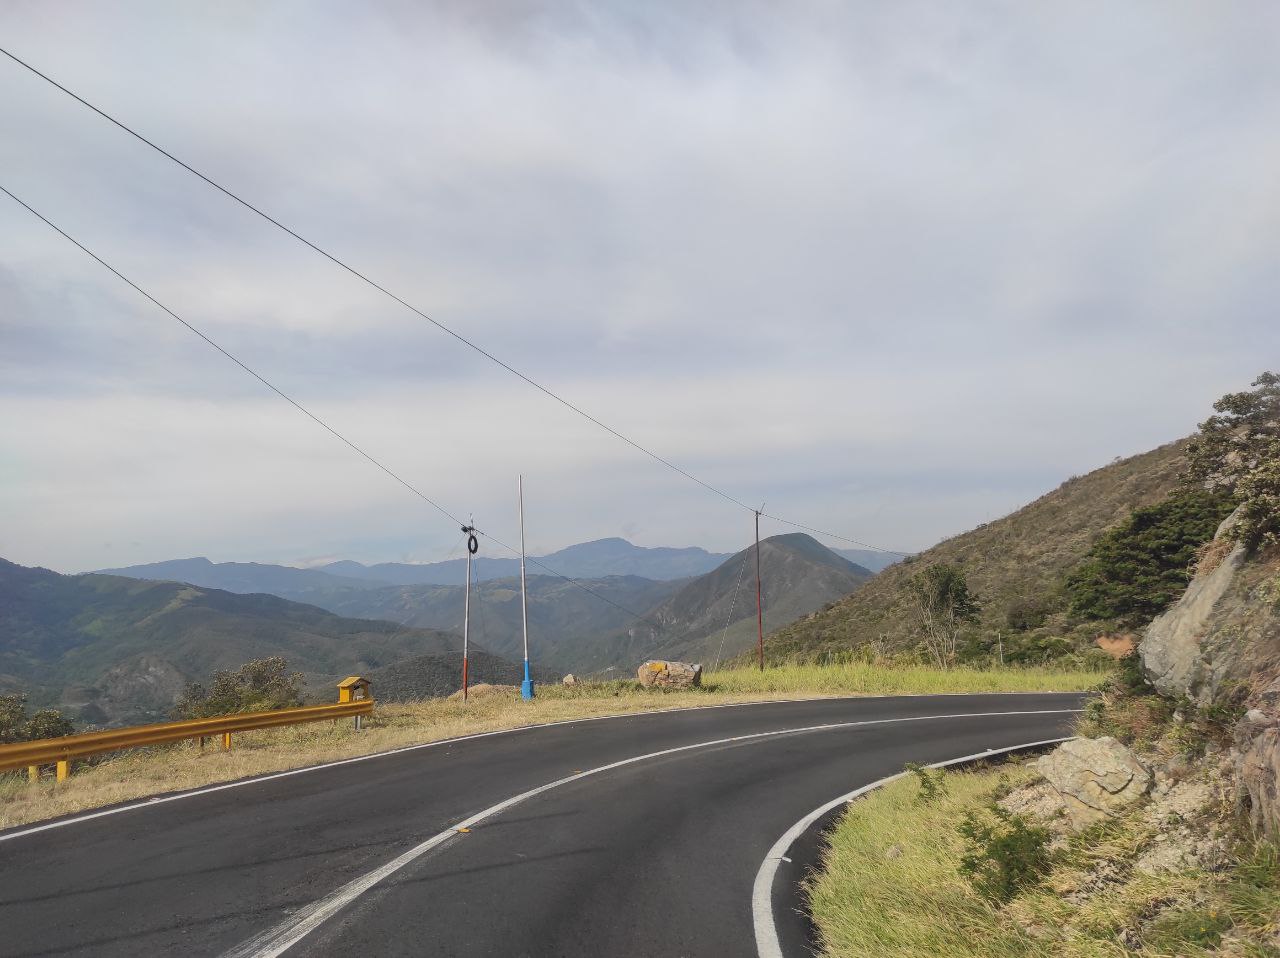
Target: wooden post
point(759, 600)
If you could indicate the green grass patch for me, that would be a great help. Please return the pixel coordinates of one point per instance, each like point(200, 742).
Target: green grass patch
point(862, 678)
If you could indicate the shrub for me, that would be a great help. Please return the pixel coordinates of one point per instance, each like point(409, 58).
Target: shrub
point(1139, 568)
point(1238, 451)
point(257, 686)
point(17, 726)
point(941, 604)
point(1006, 854)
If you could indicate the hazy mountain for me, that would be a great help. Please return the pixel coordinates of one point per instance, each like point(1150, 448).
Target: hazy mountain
point(869, 559)
point(1021, 558)
point(586, 560)
point(114, 650)
point(561, 614)
point(245, 577)
point(800, 575)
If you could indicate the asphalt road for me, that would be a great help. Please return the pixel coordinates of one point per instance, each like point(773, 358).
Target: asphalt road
point(654, 857)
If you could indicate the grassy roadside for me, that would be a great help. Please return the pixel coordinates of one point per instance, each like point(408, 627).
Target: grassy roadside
point(146, 772)
point(892, 886)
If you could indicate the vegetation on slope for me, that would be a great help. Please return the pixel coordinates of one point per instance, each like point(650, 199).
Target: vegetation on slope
point(1140, 567)
point(110, 649)
point(1015, 566)
point(894, 884)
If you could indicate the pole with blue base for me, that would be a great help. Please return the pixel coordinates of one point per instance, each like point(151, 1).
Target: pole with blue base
point(526, 687)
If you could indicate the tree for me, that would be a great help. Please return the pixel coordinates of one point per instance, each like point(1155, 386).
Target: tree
point(17, 726)
point(261, 685)
point(1238, 451)
point(1136, 570)
point(939, 600)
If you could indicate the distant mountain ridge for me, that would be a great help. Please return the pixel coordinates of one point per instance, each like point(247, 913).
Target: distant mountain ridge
point(800, 576)
point(113, 650)
point(560, 613)
point(585, 560)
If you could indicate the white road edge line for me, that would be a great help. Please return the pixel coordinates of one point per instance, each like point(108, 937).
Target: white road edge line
point(767, 942)
point(280, 938)
point(240, 783)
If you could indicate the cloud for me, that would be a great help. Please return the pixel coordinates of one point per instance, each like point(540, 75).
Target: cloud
point(893, 269)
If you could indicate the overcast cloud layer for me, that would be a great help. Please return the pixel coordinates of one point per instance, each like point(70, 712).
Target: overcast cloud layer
point(895, 269)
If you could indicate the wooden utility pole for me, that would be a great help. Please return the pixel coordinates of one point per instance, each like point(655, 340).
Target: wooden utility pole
point(759, 600)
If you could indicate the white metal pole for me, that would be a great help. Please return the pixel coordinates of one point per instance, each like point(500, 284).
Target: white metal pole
point(526, 688)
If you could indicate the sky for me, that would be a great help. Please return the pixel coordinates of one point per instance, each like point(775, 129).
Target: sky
point(892, 269)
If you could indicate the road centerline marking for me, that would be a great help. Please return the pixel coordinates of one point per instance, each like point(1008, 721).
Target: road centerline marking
point(282, 936)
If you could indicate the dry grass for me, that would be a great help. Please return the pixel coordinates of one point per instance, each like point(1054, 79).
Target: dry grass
point(891, 886)
point(146, 772)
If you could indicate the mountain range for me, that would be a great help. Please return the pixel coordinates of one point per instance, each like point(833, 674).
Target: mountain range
point(113, 650)
point(585, 560)
point(582, 625)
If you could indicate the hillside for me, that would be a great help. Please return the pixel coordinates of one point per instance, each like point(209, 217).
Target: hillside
point(561, 615)
point(116, 650)
point(1021, 558)
point(799, 573)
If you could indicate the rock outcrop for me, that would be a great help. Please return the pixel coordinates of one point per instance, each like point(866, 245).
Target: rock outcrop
point(1220, 645)
point(675, 675)
point(1174, 646)
point(1096, 778)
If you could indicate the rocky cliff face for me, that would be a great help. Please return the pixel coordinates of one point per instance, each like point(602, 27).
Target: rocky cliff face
point(1220, 646)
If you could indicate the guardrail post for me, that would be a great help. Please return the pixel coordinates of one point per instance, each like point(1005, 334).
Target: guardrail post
point(226, 741)
point(33, 773)
point(64, 769)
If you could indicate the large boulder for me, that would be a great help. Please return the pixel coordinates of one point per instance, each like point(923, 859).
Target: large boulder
point(1096, 777)
point(675, 675)
point(1175, 656)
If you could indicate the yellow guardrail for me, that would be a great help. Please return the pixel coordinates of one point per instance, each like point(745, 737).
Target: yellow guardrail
point(61, 751)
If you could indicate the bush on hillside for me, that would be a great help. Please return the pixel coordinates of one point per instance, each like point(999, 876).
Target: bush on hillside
point(1237, 451)
point(941, 605)
point(17, 726)
point(258, 686)
point(1136, 570)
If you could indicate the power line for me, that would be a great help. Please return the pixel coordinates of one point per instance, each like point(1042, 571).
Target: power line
point(439, 325)
point(252, 372)
point(304, 410)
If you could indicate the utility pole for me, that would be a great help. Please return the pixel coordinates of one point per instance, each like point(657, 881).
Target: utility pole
point(473, 546)
point(526, 687)
point(759, 602)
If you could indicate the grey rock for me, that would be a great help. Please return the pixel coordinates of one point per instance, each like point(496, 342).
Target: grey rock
point(1096, 778)
point(1170, 651)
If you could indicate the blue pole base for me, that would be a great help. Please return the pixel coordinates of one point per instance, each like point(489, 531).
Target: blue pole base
point(526, 687)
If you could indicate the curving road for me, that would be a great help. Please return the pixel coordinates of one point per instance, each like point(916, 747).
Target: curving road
point(633, 836)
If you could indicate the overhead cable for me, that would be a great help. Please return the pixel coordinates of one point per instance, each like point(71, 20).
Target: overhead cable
point(435, 322)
